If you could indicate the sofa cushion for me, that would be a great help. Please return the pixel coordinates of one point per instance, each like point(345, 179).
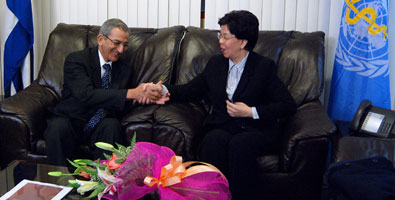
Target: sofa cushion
point(196, 49)
point(301, 66)
point(63, 40)
point(178, 126)
point(154, 59)
point(271, 43)
point(269, 163)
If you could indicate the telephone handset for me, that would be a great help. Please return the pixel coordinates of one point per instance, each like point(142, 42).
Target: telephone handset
point(373, 121)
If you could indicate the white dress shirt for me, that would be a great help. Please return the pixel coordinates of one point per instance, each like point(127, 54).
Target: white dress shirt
point(102, 62)
point(234, 76)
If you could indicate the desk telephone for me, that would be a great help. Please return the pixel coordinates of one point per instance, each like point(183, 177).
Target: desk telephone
point(373, 121)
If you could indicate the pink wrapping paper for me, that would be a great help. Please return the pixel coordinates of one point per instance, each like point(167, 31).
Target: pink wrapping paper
point(147, 159)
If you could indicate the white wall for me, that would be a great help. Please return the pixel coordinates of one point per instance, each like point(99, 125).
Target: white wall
point(300, 15)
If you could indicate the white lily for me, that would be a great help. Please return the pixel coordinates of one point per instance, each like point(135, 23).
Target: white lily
point(86, 186)
point(106, 176)
point(109, 180)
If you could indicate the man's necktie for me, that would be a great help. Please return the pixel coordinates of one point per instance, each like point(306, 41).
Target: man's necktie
point(105, 83)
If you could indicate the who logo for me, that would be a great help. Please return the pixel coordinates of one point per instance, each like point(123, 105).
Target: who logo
point(363, 39)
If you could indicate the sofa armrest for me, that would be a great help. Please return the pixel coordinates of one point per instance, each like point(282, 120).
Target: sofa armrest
point(310, 122)
point(23, 120)
point(354, 148)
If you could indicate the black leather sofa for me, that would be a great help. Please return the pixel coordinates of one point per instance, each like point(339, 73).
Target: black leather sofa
point(175, 55)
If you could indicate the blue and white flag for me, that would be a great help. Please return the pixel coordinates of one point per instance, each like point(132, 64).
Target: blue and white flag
point(361, 68)
point(18, 28)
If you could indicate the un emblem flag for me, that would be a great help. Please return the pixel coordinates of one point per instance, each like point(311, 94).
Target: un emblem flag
point(361, 69)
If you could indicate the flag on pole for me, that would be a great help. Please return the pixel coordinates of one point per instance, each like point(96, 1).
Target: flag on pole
point(18, 43)
point(360, 69)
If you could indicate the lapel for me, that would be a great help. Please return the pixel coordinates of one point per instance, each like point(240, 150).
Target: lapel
point(245, 77)
point(115, 73)
point(223, 75)
point(95, 67)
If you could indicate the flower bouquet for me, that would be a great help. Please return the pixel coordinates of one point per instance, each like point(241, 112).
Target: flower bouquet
point(141, 168)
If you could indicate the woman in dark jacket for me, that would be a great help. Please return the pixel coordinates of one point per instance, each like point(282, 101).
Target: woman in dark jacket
point(247, 100)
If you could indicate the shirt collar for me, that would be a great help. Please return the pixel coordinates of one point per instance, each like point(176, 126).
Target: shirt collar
point(102, 61)
point(239, 65)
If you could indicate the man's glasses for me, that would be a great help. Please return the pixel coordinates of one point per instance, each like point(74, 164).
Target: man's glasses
point(117, 43)
point(225, 37)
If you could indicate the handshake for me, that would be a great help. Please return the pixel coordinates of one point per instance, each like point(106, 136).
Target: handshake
point(147, 93)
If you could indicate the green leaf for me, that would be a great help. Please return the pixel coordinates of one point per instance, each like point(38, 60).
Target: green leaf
point(74, 185)
point(85, 162)
point(57, 173)
point(118, 155)
point(108, 157)
point(89, 170)
point(74, 164)
point(133, 142)
point(99, 188)
point(102, 167)
point(119, 161)
point(120, 147)
point(78, 170)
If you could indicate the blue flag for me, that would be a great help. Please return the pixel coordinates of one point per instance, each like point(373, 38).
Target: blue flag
point(361, 67)
point(19, 41)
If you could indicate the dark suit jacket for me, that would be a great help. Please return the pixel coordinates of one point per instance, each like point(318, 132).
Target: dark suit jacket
point(82, 94)
point(259, 86)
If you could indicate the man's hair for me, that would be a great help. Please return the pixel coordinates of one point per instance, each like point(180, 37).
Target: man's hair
point(108, 25)
point(243, 24)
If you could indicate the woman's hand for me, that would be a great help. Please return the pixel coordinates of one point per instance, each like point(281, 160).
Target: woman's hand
point(238, 109)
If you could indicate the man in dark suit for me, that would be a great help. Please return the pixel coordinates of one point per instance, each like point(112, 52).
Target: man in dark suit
point(247, 100)
point(94, 92)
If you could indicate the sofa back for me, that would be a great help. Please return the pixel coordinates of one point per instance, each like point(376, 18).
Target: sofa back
point(63, 40)
point(177, 54)
point(151, 52)
point(299, 58)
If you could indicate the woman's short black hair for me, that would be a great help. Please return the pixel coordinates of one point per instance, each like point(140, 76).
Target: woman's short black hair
point(243, 24)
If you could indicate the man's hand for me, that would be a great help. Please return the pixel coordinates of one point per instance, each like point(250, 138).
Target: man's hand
point(142, 93)
point(153, 94)
point(152, 91)
point(238, 109)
